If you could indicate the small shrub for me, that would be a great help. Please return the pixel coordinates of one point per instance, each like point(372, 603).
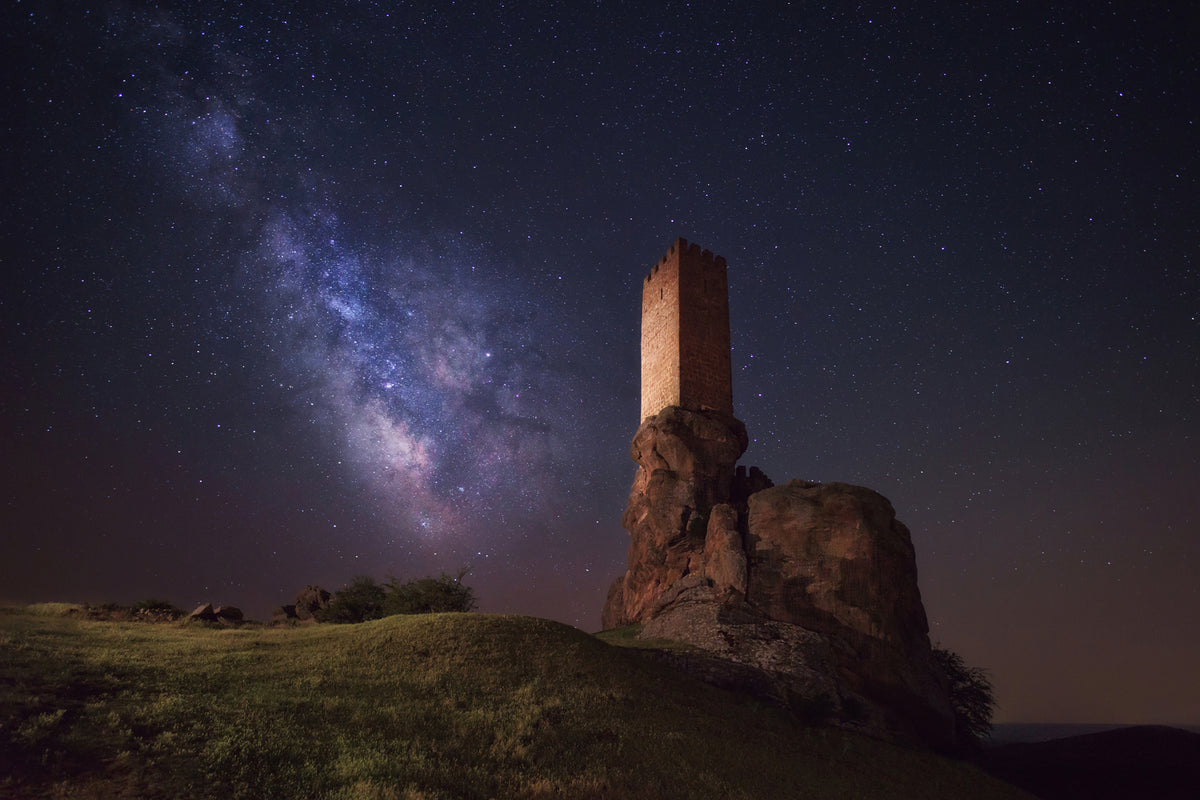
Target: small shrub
point(153, 610)
point(365, 599)
point(153, 604)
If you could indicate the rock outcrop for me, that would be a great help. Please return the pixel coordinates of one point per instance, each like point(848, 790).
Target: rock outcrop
point(685, 467)
point(284, 613)
point(203, 613)
point(810, 586)
point(834, 559)
point(310, 601)
point(229, 614)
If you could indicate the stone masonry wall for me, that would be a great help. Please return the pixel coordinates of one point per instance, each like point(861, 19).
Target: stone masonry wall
point(705, 374)
point(685, 333)
point(660, 336)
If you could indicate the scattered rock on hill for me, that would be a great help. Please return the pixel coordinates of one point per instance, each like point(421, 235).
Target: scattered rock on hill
point(228, 615)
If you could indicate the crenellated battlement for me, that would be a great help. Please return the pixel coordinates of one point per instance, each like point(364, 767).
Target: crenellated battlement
point(693, 252)
point(685, 332)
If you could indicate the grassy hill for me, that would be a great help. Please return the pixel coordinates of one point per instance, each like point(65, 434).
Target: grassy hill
point(437, 706)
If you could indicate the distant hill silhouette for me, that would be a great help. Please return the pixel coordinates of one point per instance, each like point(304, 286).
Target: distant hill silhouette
point(1146, 762)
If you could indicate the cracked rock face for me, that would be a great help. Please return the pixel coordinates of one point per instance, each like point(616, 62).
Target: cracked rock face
point(833, 559)
point(832, 555)
point(685, 466)
point(811, 587)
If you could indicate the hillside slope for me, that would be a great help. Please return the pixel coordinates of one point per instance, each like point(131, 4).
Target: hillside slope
point(440, 706)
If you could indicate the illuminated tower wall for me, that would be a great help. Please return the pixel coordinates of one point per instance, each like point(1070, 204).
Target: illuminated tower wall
point(685, 333)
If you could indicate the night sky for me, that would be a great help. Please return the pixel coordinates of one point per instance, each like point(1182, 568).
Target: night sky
point(290, 296)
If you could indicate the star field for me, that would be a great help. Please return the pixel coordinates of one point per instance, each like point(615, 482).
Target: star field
point(294, 295)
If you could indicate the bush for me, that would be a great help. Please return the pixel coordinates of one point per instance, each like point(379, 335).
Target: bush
point(971, 697)
point(155, 610)
point(154, 604)
point(362, 600)
point(365, 599)
point(429, 595)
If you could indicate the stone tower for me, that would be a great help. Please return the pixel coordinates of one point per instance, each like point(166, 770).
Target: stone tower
point(806, 593)
point(685, 333)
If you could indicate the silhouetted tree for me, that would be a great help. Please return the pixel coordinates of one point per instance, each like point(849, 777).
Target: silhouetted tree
point(971, 697)
point(430, 595)
point(360, 601)
point(365, 599)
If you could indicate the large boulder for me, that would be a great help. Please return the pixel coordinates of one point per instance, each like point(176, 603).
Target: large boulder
point(284, 613)
point(832, 558)
point(685, 466)
point(229, 614)
point(310, 601)
point(203, 613)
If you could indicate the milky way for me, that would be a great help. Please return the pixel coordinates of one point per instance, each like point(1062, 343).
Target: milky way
point(416, 359)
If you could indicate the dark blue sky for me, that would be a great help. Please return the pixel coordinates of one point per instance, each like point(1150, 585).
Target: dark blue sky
point(294, 295)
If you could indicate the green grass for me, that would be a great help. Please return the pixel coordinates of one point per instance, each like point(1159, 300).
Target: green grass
point(433, 706)
point(50, 609)
point(628, 637)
